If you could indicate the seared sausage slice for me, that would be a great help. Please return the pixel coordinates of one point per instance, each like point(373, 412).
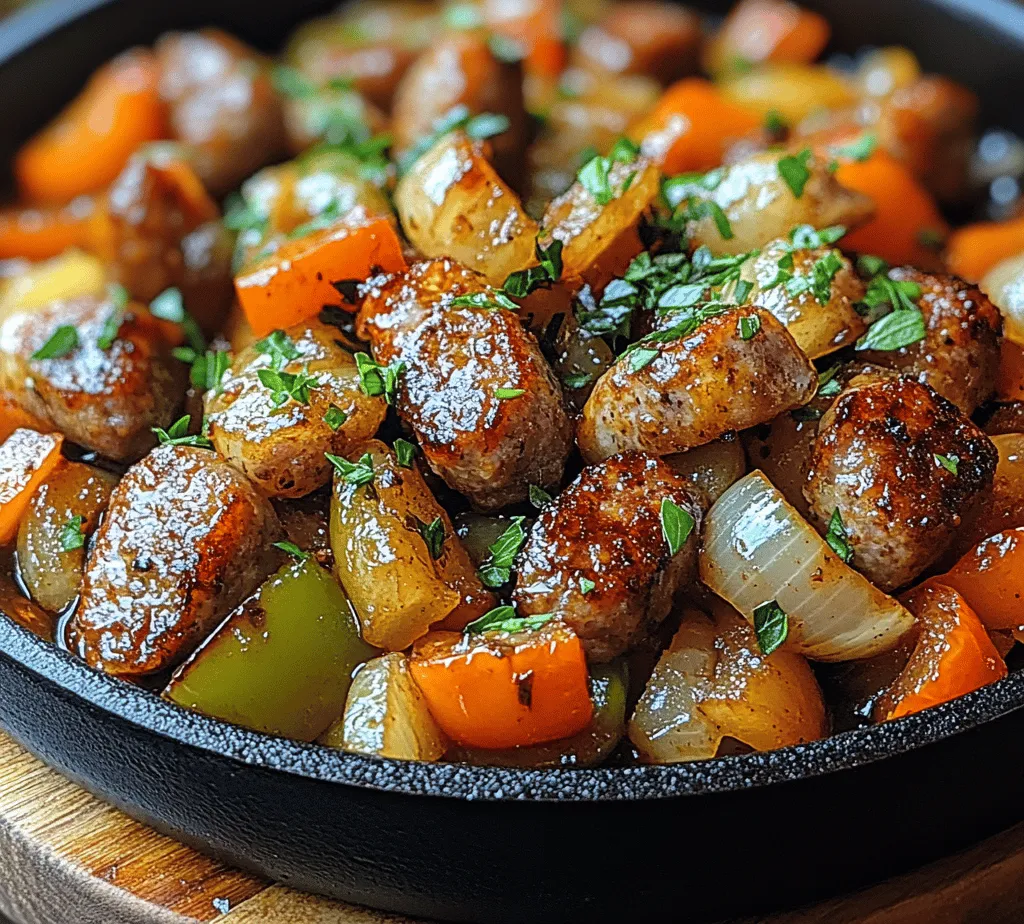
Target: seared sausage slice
point(959, 356)
point(465, 367)
point(107, 399)
point(598, 558)
point(186, 538)
point(698, 387)
point(901, 465)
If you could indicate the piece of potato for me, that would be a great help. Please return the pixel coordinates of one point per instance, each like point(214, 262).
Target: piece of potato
point(819, 327)
point(452, 203)
point(71, 275)
point(600, 238)
point(281, 446)
point(794, 91)
point(63, 512)
point(386, 715)
point(186, 538)
point(383, 560)
point(713, 682)
point(713, 467)
point(760, 206)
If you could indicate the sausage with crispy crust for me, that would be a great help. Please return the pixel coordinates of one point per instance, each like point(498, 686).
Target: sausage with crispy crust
point(901, 465)
point(476, 388)
point(959, 356)
point(186, 538)
point(698, 387)
point(597, 557)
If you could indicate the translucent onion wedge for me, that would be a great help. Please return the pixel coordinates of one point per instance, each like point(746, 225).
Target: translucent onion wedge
point(757, 548)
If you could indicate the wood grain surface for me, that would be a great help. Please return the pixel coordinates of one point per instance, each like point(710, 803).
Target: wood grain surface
point(66, 858)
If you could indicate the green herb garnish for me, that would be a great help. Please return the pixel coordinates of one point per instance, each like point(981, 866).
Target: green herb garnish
point(771, 625)
point(376, 380)
point(951, 462)
point(72, 535)
point(504, 619)
point(433, 535)
point(539, 497)
point(177, 435)
point(292, 549)
point(837, 537)
point(676, 525)
point(793, 169)
point(62, 341)
point(335, 417)
point(354, 473)
point(404, 452)
point(496, 569)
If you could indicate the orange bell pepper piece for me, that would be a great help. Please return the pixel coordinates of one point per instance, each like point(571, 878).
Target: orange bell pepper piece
point(12, 418)
point(41, 233)
point(692, 127)
point(974, 249)
point(1010, 381)
point(501, 691)
point(295, 282)
point(905, 212)
point(89, 143)
point(757, 31)
point(991, 579)
point(26, 460)
point(953, 655)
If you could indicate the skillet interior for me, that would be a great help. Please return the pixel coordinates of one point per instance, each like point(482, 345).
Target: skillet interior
point(490, 844)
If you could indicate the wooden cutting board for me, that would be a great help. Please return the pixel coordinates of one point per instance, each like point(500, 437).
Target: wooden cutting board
point(66, 858)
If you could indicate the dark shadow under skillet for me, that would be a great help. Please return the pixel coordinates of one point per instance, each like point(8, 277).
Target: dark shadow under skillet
point(736, 835)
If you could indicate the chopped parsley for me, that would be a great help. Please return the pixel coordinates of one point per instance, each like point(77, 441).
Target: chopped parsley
point(539, 497)
point(828, 384)
point(586, 585)
point(905, 324)
point(676, 525)
point(292, 83)
point(793, 169)
point(507, 394)
point(837, 537)
point(775, 124)
point(335, 417)
point(208, 368)
point(547, 271)
point(117, 295)
point(433, 535)
point(62, 341)
point(595, 175)
point(859, 150)
point(72, 535)
point(353, 473)
point(951, 462)
point(279, 347)
point(177, 435)
point(287, 386)
point(771, 625)
point(496, 570)
point(478, 127)
point(404, 452)
point(504, 619)
point(749, 326)
point(894, 332)
point(292, 549)
point(376, 380)
point(491, 299)
point(170, 306)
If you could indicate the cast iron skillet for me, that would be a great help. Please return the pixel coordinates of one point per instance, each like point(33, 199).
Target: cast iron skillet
point(736, 835)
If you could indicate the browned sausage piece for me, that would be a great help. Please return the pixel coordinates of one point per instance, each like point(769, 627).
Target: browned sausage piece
point(187, 537)
point(959, 356)
point(460, 70)
point(476, 388)
point(697, 387)
point(222, 105)
point(645, 37)
point(108, 399)
point(597, 557)
point(902, 466)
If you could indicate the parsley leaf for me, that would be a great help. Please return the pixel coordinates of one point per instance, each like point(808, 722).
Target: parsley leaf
point(828, 384)
point(771, 625)
point(837, 537)
point(586, 585)
point(170, 306)
point(749, 326)
point(507, 394)
point(595, 175)
point(62, 341)
point(491, 299)
point(72, 536)
point(504, 619)
point(117, 295)
point(479, 127)
point(376, 380)
point(496, 570)
point(433, 535)
point(335, 417)
point(951, 462)
point(859, 150)
point(279, 347)
point(177, 435)
point(539, 497)
point(208, 368)
point(404, 452)
point(292, 83)
point(292, 549)
point(548, 271)
point(676, 525)
point(893, 332)
point(287, 386)
point(793, 169)
point(354, 473)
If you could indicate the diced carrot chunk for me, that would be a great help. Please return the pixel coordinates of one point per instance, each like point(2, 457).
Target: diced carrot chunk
point(26, 460)
point(974, 249)
point(991, 579)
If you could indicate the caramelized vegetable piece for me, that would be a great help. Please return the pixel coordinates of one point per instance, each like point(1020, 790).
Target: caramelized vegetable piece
point(1003, 508)
point(277, 431)
point(459, 70)
point(598, 224)
point(791, 92)
point(960, 353)
point(295, 282)
point(142, 229)
point(1004, 284)
point(1010, 378)
point(647, 37)
point(757, 31)
point(396, 553)
point(608, 691)
point(817, 304)
point(105, 397)
point(185, 540)
point(503, 691)
point(222, 105)
point(490, 421)
point(902, 466)
point(386, 715)
point(761, 202)
point(282, 662)
point(712, 683)
point(990, 578)
point(905, 214)
point(712, 468)
point(27, 459)
point(39, 233)
point(12, 418)
point(953, 655)
point(71, 275)
point(974, 250)
point(758, 550)
point(89, 143)
point(453, 204)
point(610, 552)
point(675, 398)
point(16, 607)
point(63, 513)
point(692, 127)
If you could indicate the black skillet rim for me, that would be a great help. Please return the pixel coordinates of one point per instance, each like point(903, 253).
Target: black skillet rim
point(843, 751)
